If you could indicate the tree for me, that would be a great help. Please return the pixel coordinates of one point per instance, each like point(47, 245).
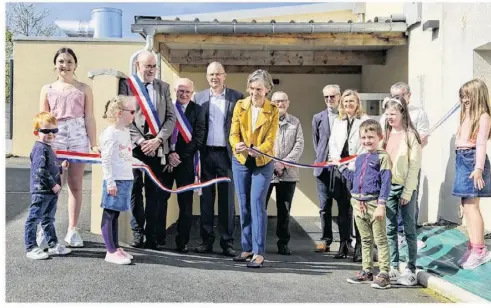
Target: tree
point(24, 20)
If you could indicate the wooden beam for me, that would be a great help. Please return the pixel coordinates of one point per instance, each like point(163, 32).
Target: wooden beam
point(164, 52)
point(317, 39)
point(327, 69)
point(277, 57)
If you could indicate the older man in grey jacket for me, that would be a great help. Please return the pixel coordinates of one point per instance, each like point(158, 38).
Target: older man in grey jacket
point(289, 147)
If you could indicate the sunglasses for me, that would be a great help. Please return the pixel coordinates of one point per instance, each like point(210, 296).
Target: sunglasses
point(130, 111)
point(48, 130)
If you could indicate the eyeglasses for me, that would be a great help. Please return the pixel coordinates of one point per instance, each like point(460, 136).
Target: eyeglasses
point(329, 96)
point(184, 92)
point(130, 111)
point(149, 67)
point(280, 101)
point(48, 130)
point(215, 74)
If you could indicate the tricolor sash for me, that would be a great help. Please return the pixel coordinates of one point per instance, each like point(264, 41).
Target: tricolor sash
point(87, 158)
point(184, 128)
point(143, 99)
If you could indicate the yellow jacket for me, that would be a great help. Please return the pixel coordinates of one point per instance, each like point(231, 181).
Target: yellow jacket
point(406, 166)
point(263, 137)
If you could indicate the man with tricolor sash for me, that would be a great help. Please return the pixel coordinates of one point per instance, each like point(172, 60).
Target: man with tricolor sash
point(153, 124)
point(184, 159)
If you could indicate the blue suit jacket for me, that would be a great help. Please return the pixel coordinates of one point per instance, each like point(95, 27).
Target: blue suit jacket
point(321, 131)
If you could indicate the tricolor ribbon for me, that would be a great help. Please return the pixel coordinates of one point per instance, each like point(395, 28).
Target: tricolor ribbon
point(184, 128)
point(143, 99)
point(444, 118)
point(87, 158)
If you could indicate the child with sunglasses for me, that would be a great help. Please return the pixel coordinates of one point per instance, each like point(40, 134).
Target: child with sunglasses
point(45, 185)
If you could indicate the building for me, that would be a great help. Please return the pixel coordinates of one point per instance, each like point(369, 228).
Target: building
point(364, 46)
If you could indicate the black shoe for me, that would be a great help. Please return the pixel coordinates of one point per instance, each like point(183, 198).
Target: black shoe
point(183, 249)
point(284, 250)
point(357, 255)
point(204, 248)
point(161, 244)
point(229, 252)
point(137, 241)
point(343, 250)
point(150, 245)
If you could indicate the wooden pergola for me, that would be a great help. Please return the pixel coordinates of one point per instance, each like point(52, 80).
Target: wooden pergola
point(318, 48)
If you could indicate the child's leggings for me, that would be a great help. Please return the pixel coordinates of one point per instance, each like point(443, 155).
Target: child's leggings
point(109, 226)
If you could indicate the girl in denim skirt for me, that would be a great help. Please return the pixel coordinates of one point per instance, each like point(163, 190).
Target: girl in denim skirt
point(472, 168)
point(116, 156)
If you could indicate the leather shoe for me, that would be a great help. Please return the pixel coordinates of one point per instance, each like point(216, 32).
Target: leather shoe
point(229, 252)
point(137, 242)
point(150, 245)
point(183, 249)
point(255, 264)
point(203, 248)
point(284, 250)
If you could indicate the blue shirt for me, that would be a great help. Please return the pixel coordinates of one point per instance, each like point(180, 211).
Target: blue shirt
point(216, 121)
point(45, 170)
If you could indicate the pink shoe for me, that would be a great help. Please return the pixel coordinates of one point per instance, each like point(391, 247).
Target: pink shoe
point(477, 259)
point(466, 255)
point(124, 253)
point(117, 258)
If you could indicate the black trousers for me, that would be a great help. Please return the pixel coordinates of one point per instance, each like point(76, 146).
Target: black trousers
point(144, 219)
point(182, 175)
point(215, 162)
point(284, 197)
point(332, 185)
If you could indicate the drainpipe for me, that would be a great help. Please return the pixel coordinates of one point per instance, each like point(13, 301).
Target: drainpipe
point(148, 46)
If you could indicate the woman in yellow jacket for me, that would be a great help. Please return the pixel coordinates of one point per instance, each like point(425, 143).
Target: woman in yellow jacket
point(254, 124)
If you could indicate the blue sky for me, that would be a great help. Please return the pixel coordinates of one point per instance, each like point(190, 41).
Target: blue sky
point(81, 11)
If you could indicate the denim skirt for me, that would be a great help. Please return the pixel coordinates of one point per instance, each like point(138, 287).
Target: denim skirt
point(465, 163)
point(122, 201)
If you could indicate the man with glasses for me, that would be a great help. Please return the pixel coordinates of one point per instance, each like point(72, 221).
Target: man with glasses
point(181, 167)
point(218, 104)
point(321, 132)
point(153, 124)
point(419, 118)
point(288, 146)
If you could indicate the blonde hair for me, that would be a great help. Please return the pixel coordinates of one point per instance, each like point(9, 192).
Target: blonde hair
point(262, 76)
point(400, 104)
point(478, 94)
point(114, 105)
point(43, 118)
point(359, 110)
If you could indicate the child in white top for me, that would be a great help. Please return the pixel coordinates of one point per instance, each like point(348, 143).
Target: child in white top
point(116, 157)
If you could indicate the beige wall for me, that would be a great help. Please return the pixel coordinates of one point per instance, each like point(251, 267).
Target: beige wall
point(382, 9)
point(439, 63)
point(379, 78)
point(305, 94)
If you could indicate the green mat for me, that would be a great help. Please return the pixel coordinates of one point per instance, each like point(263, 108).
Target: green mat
point(444, 247)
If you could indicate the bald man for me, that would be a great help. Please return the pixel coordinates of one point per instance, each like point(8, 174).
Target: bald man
point(180, 167)
point(218, 103)
point(154, 123)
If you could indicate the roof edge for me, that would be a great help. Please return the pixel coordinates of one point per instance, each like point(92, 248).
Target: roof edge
point(76, 39)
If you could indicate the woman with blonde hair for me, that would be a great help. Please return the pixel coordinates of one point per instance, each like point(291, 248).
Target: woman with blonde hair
point(254, 125)
point(344, 142)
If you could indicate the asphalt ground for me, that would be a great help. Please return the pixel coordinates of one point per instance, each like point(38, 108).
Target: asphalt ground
point(167, 276)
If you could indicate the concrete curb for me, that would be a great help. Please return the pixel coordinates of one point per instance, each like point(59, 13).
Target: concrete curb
point(445, 288)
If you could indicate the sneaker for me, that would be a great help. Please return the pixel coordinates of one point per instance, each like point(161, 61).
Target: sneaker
point(420, 244)
point(382, 281)
point(476, 259)
point(394, 273)
point(73, 238)
point(401, 241)
point(117, 258)
point(37, 254)
point(361, 277)
point(41, 240)
point(408, 278)
point(124, 253)
point(465, 256)
point(59, 250)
